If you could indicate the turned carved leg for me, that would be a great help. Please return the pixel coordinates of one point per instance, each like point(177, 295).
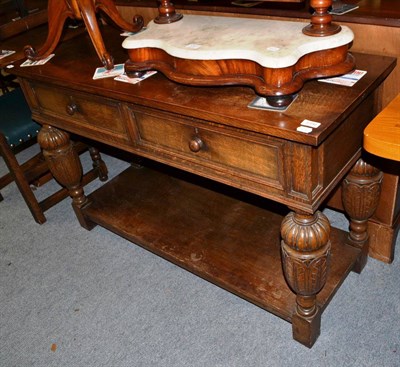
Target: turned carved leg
point(88, 14)
point(65, 166)
point(305, 258)
point(58, 12)
point(360, 195)
point(98, 164)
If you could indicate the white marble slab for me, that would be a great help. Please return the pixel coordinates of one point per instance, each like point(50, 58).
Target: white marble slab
point(271, 43)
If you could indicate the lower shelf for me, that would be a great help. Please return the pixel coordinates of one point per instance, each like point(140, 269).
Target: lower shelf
point(230, 242)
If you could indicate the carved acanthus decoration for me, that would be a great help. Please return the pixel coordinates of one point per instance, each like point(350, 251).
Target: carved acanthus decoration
point(305, 273)
point(63, 161)
point(305, 257)
point(51, 138)
point(360, 195)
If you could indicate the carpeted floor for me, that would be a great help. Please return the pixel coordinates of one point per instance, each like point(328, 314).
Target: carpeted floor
point(70, 297)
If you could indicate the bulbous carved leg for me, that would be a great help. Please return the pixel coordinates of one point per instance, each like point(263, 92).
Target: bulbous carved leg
point(65, 166)
point(305, 258)
point(360, 195)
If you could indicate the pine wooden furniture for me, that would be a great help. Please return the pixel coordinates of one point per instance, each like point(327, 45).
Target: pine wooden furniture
point(382, 135)
point(17, 132)
point(235, 189)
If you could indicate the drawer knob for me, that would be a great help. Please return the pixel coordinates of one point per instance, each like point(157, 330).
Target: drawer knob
point(196, 144)
point(71, 108)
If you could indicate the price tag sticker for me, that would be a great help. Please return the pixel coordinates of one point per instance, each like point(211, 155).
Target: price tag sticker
point(304, 129)
point(309, 123)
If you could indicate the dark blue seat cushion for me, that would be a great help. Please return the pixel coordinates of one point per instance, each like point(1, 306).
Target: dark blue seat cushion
point(16, 122)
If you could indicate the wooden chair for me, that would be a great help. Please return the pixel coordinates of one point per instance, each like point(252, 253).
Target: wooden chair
point(17, 132)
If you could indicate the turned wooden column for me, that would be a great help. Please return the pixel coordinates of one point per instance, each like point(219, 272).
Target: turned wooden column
point(321, 21)
point(167, 13)
point(305, 249)
point(65, 166)
point(360, 195)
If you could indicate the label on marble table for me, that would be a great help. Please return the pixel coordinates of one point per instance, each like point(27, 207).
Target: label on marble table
point(310, 123)
point(304, 129)
point(347, 80)
point(5, 53)
point(36, 62)
point(101, 73)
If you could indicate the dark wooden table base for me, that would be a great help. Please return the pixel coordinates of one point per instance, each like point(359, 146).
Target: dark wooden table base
point(288, 261)
point(226, 239)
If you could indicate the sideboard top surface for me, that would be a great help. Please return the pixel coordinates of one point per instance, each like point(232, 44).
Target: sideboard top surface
point(75, 61)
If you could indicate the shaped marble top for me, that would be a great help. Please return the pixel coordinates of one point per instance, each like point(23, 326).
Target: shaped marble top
point(270, 43)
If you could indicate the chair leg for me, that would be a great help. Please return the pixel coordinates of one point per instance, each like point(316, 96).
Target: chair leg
point(6, 180)
point(34, 171)
point(98, 164)
point(21, 181)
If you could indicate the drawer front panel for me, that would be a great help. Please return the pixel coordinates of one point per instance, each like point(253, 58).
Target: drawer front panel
point(99, 113)
point(213, 146)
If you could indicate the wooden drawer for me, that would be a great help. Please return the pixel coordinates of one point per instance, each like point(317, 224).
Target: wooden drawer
point(244, 155)
point(103, 115)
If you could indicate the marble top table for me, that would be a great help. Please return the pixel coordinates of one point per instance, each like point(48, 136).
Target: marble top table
point(274, 57)
point(270, 43)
